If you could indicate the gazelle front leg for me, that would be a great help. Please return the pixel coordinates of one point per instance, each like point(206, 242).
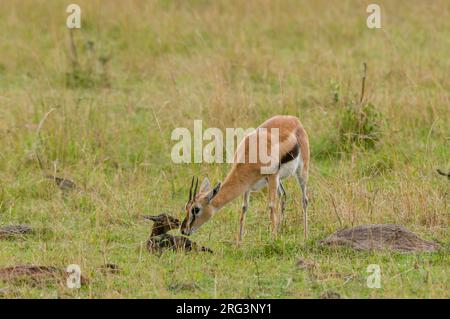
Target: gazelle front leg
point(242, 219)
point(272, 183)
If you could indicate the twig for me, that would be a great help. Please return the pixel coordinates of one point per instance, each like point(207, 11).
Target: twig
point(402, 273)
point(73, 51)
point(371, 203)
point(41, 123)
point(363, 82)
point(443, 173)
point(335, 210)
point(38, 138)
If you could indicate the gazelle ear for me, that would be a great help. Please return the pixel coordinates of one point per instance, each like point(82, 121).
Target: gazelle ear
point(205, 185)
point(214, 192)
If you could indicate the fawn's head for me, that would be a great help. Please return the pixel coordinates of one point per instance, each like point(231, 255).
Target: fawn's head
point(163, 223)
point(198, 208)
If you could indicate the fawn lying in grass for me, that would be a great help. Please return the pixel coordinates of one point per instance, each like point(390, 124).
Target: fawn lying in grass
point(159, 240)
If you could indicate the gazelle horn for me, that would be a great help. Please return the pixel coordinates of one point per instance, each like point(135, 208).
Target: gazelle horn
point(190, 189)
point(196, 184)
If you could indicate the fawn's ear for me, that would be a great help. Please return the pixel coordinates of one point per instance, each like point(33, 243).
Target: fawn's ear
point(205, 185)
point(157, 218)
point(152, 218)
point(214, 192)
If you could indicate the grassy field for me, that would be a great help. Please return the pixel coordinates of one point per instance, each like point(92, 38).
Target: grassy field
point(143, 68)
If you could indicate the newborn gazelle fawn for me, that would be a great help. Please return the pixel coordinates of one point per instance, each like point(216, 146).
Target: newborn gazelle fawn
point(159, 240)
point(292, 158)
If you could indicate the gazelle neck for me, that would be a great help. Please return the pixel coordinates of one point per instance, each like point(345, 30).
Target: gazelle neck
point(230, 189)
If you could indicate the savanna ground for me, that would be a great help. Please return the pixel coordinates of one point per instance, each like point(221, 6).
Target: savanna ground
point(144, 68)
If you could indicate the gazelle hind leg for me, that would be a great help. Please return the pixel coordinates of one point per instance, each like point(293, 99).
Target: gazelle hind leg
point(273, 181)
point(302, 182)
point(242, 218)
point(282, 195)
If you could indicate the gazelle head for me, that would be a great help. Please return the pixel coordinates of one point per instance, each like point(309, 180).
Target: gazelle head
point(198, 208)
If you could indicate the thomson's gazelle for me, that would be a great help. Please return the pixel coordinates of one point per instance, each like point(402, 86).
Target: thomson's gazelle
point(292, 157)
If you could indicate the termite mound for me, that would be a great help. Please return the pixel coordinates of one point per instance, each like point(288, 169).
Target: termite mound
point(380, 237)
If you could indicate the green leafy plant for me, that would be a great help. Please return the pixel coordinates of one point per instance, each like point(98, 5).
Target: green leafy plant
point(90, 73)
point(360, 124)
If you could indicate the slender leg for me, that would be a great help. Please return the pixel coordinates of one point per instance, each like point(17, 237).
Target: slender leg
point(302, 182)
point(282, 195)
point(273, 181)
point(242, 219)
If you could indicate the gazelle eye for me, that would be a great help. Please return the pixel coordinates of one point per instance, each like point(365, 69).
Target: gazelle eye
point(195, 210)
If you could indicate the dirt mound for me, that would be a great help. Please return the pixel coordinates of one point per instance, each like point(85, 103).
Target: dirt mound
point(34, 273)
point(379, 237)
point(63, 183)
point(14, 231)
point(330, 295)
point(23, 271)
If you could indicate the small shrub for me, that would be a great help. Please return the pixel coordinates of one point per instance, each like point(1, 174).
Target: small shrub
point(360, 126)
point(89, 70)
point(335, 90)
point(78, 78)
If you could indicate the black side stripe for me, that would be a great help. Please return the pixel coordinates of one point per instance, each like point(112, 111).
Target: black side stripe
point(292, 154)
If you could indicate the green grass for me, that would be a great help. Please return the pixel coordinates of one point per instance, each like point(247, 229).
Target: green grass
point(160, 65)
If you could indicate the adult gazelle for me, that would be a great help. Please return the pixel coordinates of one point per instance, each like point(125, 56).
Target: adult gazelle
point(289, 149)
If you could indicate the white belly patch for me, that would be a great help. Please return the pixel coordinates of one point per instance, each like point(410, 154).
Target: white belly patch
point(289, 168)
point(286, 170)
